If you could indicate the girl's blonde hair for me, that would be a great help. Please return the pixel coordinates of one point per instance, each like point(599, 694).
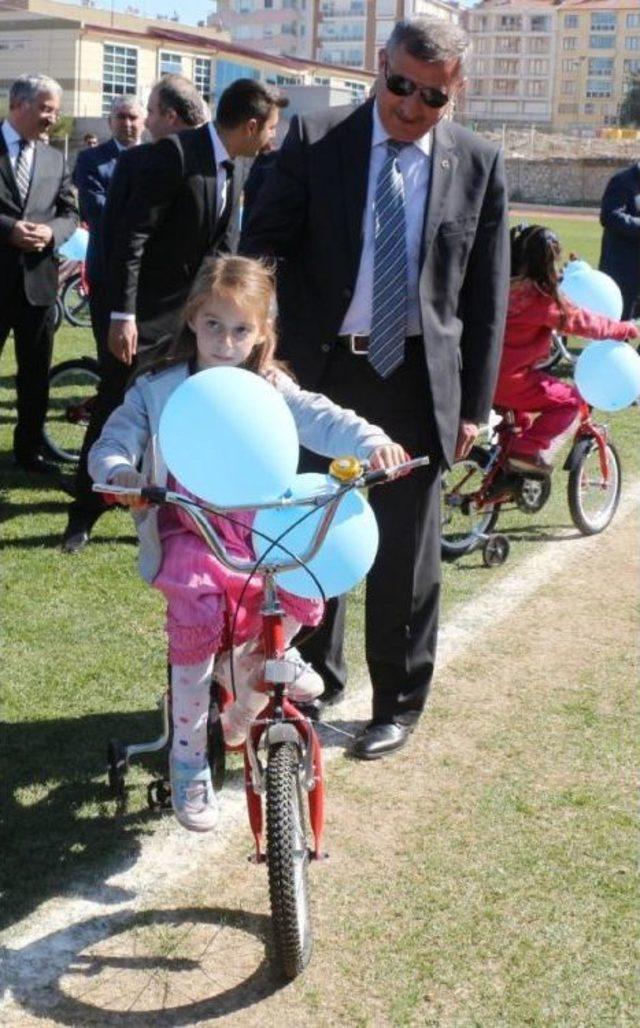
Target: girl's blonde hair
point(250, 284)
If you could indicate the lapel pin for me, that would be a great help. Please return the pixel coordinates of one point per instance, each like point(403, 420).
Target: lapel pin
point(445, 162)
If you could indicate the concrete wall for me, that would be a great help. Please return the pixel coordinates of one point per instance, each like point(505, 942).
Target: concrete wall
point(578, 181)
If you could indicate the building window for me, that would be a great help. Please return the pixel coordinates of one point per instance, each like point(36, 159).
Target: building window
point(602, 42)
point(537, 87)
point(169, 63)
point(539, 23)
point(507, 66)
point(482, 46)
point(505, 87)
point(630, 68)
point(632, 43)
point(119, 73)
point(589, 108)
point(228, 71)
point(538, 66)
point(569, 87)
point(603, 21)
point(570, 21)
point(268, 4)
point(383, 30)
point(386, 8)
point(598, 87)
point(202, 77)
point(507, 45)
point(511, 22)
point(568, 108)
point(568, 65)
point(569, 43)
point(538, 45)
point(601, 66)
point(633, 21)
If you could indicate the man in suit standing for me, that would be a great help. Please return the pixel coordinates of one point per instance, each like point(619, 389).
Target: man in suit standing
point(620, 219)
point(37, 214)
point(391, 226)
point(174, 105)
point(91, 176)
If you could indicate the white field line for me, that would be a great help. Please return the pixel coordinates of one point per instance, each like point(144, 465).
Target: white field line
point(37, 950)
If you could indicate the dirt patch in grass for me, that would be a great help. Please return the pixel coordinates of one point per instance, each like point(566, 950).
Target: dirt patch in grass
point(482, 876)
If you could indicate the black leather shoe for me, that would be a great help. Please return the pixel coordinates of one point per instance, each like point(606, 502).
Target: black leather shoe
point(76, 534)
point(379, 738)
point(315, 708)
point(37, 465)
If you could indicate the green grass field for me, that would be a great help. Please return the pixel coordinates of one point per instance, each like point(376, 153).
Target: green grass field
point(84, 658)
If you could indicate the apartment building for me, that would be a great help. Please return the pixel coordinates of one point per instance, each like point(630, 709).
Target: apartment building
point(96, 55)
point(598, 55)
point(346, 33)
point(559, 64)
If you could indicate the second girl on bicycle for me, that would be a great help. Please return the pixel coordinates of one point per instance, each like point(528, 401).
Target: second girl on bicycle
point(547, 406)
point(229, 321)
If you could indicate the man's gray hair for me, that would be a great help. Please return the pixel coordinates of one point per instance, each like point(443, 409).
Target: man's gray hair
point(430, 39)
point(124, 100)
point(179, 94)
point(28, 87)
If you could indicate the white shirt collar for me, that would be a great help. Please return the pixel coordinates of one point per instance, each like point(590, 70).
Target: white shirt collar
point(11, 137)
point(219, 148)
point(380, 134)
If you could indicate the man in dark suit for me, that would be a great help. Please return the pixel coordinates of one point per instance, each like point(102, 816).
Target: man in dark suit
point(391, 226)
point(174, 105)
point(37, 214)
point(91, 176)
point(620, 219)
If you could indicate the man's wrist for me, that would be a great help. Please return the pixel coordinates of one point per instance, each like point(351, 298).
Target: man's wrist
point(122, 316)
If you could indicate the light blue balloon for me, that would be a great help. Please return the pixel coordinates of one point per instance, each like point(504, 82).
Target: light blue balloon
point(572, 266)
point(75, 248)
point(608, 375)
point(347, 552)
point(228, 436)
point(595, 291)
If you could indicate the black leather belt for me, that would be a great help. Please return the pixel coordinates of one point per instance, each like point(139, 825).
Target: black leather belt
point(359, 345)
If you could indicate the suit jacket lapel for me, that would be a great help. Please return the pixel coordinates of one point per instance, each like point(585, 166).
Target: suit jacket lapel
point(355, 145)
point(6, 174)
point(39, 158)
point(206, 163)
point(442, 170)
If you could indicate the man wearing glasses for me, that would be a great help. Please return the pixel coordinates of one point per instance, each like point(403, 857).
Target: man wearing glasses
point(390, 223)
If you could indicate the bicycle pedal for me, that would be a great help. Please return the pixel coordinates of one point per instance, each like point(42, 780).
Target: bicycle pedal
point(255, 858)
point(318, 856)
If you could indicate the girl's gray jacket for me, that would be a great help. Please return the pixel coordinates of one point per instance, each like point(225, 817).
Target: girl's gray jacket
point(130, 439)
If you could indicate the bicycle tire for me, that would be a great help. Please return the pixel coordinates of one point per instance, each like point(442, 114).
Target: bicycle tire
point(593, 521)
point(288, 860)
point(71, 384)
point(58, 314)
point(458, 540)
point(75, 302)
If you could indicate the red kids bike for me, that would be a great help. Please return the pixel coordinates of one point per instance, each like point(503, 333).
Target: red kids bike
point(282, 754)
point(477, 489)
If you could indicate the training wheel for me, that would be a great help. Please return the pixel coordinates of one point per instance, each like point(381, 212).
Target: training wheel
point(495, 551)
point(116, 769)
point(159, 794)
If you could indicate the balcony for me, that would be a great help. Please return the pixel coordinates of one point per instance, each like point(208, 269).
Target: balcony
point(356, 8)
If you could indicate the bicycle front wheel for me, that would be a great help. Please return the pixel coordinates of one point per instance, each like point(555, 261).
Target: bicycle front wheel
point(75, 302)
point(72, 390)
point(288, 860)
point(464, 523)
point(593, 500)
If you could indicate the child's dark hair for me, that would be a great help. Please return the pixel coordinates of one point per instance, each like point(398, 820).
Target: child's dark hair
point(535, 253)
point(246, 281)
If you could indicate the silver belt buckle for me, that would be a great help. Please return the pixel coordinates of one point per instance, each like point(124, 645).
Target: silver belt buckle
point(353, 345)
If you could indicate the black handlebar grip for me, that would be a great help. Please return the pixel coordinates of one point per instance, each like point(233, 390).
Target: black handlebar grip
point(153, 493)
point(375, 477)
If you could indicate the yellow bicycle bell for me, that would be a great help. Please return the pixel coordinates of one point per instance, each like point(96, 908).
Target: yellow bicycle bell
point(345, 469)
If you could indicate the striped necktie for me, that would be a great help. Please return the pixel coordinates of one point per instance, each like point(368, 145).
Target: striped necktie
point(225, 210)
point(389, 312)
point(22, 171)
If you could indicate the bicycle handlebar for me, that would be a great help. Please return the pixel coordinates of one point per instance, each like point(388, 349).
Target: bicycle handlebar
point(198, 510)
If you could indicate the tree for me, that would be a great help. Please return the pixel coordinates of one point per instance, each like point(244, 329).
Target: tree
point(630, 106)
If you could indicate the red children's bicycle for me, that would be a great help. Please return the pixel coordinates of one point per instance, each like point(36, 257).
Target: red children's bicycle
point(477, 489)
point(282, 754)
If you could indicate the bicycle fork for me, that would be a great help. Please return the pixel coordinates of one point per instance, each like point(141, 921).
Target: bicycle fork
point(281, 722)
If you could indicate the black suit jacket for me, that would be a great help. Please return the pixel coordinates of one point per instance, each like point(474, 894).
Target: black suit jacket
point(310, 213)
point(170, 225)
point(91, 176)
point(122, 184)
point(50, 201)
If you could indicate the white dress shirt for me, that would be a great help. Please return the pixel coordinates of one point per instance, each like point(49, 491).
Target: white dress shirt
point(222, 175)
point(12, 140)
point(413, 162)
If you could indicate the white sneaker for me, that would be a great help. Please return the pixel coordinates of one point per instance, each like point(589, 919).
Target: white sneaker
point(192, 797)
point(308, 684)
point(236, 719)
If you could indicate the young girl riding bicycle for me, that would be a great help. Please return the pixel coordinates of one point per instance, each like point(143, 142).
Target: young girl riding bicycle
point(229, 321)
point(547, 407)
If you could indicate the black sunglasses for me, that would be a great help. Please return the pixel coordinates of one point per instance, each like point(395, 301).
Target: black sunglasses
point(401, 86)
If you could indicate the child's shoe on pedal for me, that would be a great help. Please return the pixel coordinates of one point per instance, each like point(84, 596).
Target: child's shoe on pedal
point(237, 718)
point(192, 797)
point(308, 684)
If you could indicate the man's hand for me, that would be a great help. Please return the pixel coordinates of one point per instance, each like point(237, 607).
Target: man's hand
point(123, 340)
point(467, 435)
point(30, 237)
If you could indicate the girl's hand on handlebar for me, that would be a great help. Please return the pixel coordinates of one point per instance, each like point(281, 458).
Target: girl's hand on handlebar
point(387, 456)
point(632, 330)
point(129, 480)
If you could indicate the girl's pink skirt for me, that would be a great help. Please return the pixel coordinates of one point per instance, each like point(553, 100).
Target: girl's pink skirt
point(203, 596)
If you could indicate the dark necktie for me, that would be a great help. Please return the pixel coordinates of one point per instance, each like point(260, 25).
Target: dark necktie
point(22, 171)
point(225, 210)
point(389, 307)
